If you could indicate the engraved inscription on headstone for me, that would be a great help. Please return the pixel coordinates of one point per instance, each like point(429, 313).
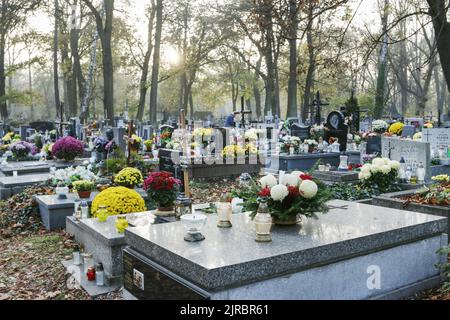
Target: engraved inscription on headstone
point(437, 138)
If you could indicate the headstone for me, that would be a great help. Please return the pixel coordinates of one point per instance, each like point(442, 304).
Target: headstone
point(147, 132)
point(408, 131)
point(374, 145)
point(365, 126)
point(414, 152)
point(437, 138)
point(300, 131)
point(24, 134)
point(119, 134)
point(119, 122)
point(337, 129)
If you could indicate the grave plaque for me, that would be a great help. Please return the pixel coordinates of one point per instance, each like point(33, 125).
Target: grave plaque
point(301, 132)
point(24, 132)
point(374, 145)
point(437, 138)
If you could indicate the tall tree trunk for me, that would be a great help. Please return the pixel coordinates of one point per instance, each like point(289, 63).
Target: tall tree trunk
point(310, 75)
point(77, 70)
point(55, 61)
point(438, 11)
point(382, 67)
point(3, 104)
point(156, 62)
point(30, 88)
point(270, 65)
point(191, 105)
point(292, 108)
point(108, 68)
point(146, 65)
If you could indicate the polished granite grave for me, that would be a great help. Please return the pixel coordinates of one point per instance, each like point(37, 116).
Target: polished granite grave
point(32, 167)
point(10, 186)
point(329, 258)
point(54, 211)
point(302, 162)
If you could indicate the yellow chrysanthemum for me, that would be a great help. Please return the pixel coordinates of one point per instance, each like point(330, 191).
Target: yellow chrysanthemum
point(119, 200)
point(396, 128)
point(129, 177)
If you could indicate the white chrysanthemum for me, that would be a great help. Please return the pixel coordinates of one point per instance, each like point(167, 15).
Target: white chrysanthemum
point(268, 181)
point(366, 168)
point(376, 168)
point(279, 192)
point(386, 169)
point(395, 165)
point(386, 161)
point(251, 135)
point(366, 175)
point(290, 180)
point(378, 162)
point(298, 173)
point(308, 189)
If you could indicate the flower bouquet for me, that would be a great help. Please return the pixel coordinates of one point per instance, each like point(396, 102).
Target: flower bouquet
point(148, 144)
point(380, 126)
point(136, 143)
point(100, 144)
point(295, 195)
point(68, 149)
point(162, 188)
point(317, 132)
point(382, 173)
point(70, 175)
point(289, 142)
point(21, 150)
point(129, 178)
point(312, 145)
point(234, 152)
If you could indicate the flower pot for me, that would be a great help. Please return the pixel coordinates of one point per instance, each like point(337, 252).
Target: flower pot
point(165, 212)
point(291, 222)
point(84, 194)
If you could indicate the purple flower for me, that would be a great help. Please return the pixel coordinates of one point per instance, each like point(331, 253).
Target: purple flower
point(21, 149)
point(68, 149)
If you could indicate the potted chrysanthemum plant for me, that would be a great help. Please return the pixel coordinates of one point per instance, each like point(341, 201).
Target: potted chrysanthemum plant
point(68, 149)
point(288, 198)
point(162, 188)
point(129, 178)
point(84, 188)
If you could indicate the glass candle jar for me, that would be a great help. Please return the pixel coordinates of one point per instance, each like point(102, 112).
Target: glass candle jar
point(88, 261)
point(77, 258)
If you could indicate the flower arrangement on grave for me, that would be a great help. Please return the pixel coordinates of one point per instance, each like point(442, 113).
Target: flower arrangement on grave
point(162, 188)
point(84, 188)
point(203, 136)
point(71, 175)
point(396, 128)
point(382, 173)
point(111, 146)
point(136, 143)
point(38, 141)
point(129, 178)
point(118, 201)
point(165, 138)
point(251, 149)
point(148, 144)
point(100, 144)
point(312, 145)
point(68, 149)
point(317, 132)
point(234, 151)
point(380, 126)
point(428, 125)
point(288, 142)
point(418, 136)
point(173, 145)
point(21, 150)
point(7, 138)
point(437, 194)
point(47, 149)
point(252, 135)
point(53, 135)
point(297, 194)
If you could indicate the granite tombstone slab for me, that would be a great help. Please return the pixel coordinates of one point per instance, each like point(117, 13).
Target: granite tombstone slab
point(326, 259)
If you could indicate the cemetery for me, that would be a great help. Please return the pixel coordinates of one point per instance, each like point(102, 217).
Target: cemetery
point(223, 163)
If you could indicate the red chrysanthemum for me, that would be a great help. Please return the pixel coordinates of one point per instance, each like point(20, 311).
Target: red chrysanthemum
point(306, 177)
point(265, 192)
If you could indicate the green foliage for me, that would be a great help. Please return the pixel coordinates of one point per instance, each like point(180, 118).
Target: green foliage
point(445, 268)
